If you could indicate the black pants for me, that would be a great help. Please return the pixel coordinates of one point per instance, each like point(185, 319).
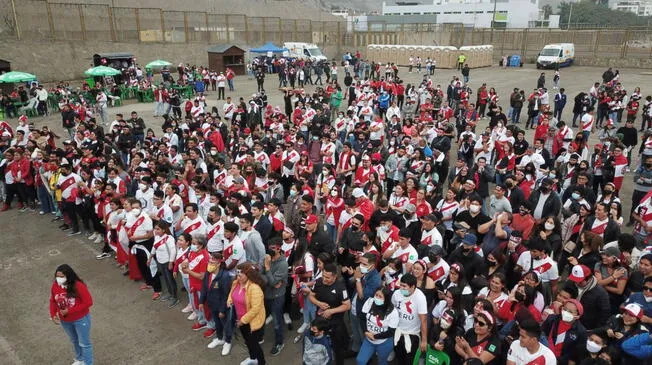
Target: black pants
point(141, 259)
point(251, 340)
point(220, 93)
point(402, 356)
point(14, 191)
point(399, 101)
point(71, 210)
point(176, 111)
point(260, 85)
point(340, 338)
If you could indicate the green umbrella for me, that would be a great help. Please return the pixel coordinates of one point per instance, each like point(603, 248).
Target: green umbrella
point(102, 71)
point(158, 64)
point(16, 76)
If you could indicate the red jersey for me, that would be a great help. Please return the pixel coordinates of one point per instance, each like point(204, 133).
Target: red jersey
point(77, 307)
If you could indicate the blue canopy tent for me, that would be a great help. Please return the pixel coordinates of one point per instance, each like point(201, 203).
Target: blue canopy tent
point(267, 48)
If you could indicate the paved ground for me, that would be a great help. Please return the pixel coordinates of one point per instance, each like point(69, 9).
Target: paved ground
point(128, 328)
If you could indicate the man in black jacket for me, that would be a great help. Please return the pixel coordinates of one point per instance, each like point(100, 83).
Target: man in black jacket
point(514, 193)
point(318, 240)
point(602, 224)
point(545, 202)
point(137, 127)
point(571, 339)
point(593, 296)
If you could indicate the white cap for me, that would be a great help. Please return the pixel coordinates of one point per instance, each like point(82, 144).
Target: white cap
point(358, 193)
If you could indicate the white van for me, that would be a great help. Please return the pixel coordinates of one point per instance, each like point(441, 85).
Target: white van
point(303, 50)
point(556, 55)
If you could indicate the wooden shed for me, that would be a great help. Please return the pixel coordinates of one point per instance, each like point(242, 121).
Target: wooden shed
point(222, 56)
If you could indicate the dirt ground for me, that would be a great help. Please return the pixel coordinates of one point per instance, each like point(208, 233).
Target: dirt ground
point(128, 328)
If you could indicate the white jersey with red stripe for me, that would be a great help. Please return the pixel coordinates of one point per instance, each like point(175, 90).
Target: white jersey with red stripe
point(292, 157)
point(328, 153)
point(432, 238)
point(163, 213)
point(69, 187)
point(262, 158)
point(599, 226)
point(439, 271)
point(587, 122)
point(194, 227)
point(234, 251)
point(545, 266)
point(447, 210)
point(215, 237)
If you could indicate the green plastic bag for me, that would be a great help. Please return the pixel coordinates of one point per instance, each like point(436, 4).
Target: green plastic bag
point(431, 357)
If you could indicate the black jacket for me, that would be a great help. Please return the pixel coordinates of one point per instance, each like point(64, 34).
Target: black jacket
point(264, 227)
point(552, 206)
point(574, 339)
point(516, 197)
point(215, 293)
point(596, 307)
point(611, 232)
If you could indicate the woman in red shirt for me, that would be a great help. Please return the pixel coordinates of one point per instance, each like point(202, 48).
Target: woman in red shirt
point(70, 302)
point(196, 267)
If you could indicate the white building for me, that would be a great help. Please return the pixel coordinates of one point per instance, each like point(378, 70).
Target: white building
point(638, 7)
point(471, 13)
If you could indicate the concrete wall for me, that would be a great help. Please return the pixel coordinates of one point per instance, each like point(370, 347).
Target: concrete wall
point(61, 60)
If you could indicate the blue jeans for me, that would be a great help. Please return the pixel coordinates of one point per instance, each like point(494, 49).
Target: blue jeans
point(332, 231)
point(79, 332)
point(356, 332)
point(45, 200)
point(223, 326)
point(275, 307)
point(230, 82)
point(309, 310)
point(466, 79)
point(368, 349)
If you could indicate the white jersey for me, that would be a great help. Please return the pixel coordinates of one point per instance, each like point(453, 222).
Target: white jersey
point(521, 356)
point(234, 251)
point(432, 238)
point(546, 266)
point(195, 227)
point(409, 308)
point(215, 237)
point(377, 325)
point(69, 186)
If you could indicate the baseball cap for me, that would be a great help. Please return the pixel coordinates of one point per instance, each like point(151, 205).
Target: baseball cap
point(358, 193)
point(634, 310)
point(611, 251)
point(311, 219)
point(470, 239)
point(461, 225)
point(288, 230)
point(579, 273)
point(410, 208)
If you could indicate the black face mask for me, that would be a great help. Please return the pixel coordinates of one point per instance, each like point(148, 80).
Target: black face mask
point(519, 296)
point(270, 252)
point(466, 251)
point(355, 228)
point(509, 184)
point(648, 165)
point(492, 263)
point(545, 189)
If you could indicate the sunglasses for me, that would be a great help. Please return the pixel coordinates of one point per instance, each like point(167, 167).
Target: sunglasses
point(481, 324)
point(647, 288)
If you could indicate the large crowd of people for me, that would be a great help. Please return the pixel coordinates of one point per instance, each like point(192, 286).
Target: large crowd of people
point(381, 216)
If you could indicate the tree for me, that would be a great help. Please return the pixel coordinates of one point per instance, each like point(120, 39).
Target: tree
point(547, 10)
point(589, 13)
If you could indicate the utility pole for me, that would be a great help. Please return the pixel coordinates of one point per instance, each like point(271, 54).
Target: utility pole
point(570, 12)
point(16, 26)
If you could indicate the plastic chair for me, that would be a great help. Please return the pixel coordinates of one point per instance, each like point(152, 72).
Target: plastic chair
point(2, 113)
point(148, 96)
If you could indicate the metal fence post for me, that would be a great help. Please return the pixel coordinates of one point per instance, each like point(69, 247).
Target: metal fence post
point(280, 30)
point(628, 36)
point(207, 32)
point(339, 37)
point(228, 31)
point(596, 43)
point(162, 25)
point(502, 44)
point(111, 23)
point(82, 23)
point(185, 26)
point(48, 8)
point(137, 23)
point(246, 29)
point(524, 45)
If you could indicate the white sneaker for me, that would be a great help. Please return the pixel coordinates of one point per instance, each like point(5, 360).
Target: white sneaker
point(269, 319)
point(187, 309)
point(78, 362)
point(216, 342)
point(249, 361)
point(391, 356)
point(99, 239)
point(226, 349)
point(286, 318)
point(303, 328)
point(192, 316)
point(93, 236)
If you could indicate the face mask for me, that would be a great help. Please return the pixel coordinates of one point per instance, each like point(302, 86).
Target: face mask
point(333, 193)
point(549, 226)
point(466, 251)
point(378, 301)
point(213, 153)
point(552, 176)
point(575, 196)
point(324, 172)
point(567, 316)
point(648, 299)
point(383, 228)
point(142, 187)
point(135, 212)
point(545, 190)
point(492, 263)
point(430, 188)
point(194, 248)
point(444, 325)
point(405, 292)
point(293, 192)
point(364, 269)
point(519, 296)
point(474, 208)
point(355, 228)
point(593, 347)
point(211, 268)
point(61, 281)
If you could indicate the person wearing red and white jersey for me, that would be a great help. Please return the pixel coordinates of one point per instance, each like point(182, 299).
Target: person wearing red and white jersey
point(327, 150)
point(430, 235)
point(619, 164)
point(159, 211)
point(289, 244)
point(366, 112)
point(332, 212)
point(113, 176)
point(192, 223)
point(196, 268)
point(602, 224)
point(260, 156)
point(275, 217)
point(234, 252)
point(164, 251)
point(196, 110)
point(363, 171)
point(438, 268)
point(588, 123)
point(448, 208)
point(174, 201)
point(219, 175)
point(140, 234)
point(403, 251)
point(346, 162)
point(289, 159)
point(412, 329)
point(538, 261)
point(68, 183)
point(642, 215)
point(387, 233)
point(377, 131)
point(527, 350)
point(215, 230)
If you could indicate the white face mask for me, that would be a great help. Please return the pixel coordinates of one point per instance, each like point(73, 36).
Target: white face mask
point(647, 299)
point(142, 186)
point(593, 347)
point(333, 193)
point(135, 212)
point(549, 226)
point(474, 208)
point(444, 325)
point(61, 281)
point(567, 316)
